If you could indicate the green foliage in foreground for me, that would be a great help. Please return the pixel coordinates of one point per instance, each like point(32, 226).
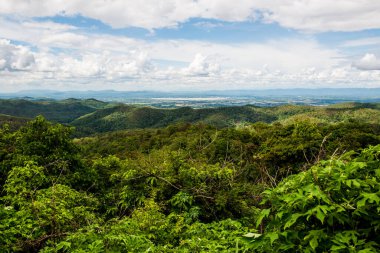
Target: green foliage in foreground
point(332, 207)
point(191, 189)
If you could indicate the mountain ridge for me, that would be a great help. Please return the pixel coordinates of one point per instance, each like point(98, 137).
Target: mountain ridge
point(92, 116)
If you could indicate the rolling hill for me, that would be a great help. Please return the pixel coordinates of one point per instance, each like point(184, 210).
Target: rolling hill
point(63, 111)
point(131, 117)
point(92, 116)
point(12, 121)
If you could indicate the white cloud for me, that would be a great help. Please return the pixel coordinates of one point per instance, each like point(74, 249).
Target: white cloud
point(201, 66)
point(106, 65)
point(66, 57)
point(13, 57)
point(63, 40)
point(136, 65)
point(368, 62)
point(362, 42)
point(49, 35)
point(124, 13)
point(285, 55)
point(323, 15)
point(128, 65)
point(34, 32)
point(306, 15)
point(338, 73)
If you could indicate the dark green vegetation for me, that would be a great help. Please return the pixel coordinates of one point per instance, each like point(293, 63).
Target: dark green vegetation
point(307, 179)
point(63, 111)
point(91, 116)
point(12, 121)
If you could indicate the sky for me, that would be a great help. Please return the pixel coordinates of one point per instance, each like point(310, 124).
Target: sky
point(188, 45)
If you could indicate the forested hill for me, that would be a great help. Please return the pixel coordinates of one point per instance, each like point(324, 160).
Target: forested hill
point(131, 117)
point(254, 187)
point(304, 179)
point(62, 111)
point(93, 116)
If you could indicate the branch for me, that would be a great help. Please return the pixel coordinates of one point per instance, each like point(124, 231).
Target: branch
point(166, 181)
point(39, 241)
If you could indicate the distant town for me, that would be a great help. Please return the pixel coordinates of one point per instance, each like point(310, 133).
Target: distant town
point(205, 99)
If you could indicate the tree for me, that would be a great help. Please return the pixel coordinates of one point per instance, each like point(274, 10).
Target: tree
point(35, 210)
point(334, 206)
point(50, 146)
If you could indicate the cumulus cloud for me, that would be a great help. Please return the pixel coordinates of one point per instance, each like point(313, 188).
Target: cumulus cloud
point(65, 55)
point(134, 65)
point(307, 15)
point(13, 57)
point(201, 66)
point(284, 54)
point(124, 13)
point(209, 65)
point(105, 64)
point(322, 15)
point(368, 62)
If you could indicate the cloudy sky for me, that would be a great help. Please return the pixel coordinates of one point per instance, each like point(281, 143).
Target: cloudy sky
point(188, 44)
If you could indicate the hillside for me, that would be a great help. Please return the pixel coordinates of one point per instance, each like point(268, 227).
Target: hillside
point(193, 187)
point(92, 116)
point(131, 117)
point(12, 121)
point(63, 111)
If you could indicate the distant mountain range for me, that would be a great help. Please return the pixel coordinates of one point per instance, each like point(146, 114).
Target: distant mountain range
point(91, 116)
point(352, 93)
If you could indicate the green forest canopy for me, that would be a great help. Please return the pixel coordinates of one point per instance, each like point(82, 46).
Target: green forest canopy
point(91, 116)
point(295, 185)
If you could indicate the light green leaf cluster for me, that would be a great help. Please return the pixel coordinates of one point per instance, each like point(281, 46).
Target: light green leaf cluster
point(334, 206)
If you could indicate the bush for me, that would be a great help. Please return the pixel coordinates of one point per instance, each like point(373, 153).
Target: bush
point(334, 206)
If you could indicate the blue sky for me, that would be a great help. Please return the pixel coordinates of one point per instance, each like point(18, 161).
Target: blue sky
point(188, 45)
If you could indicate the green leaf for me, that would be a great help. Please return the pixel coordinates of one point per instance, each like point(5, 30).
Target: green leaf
point(272, 236)
point(314, 243)
point(252, 235)
point(337, 247)
point(356, 183)
point(370, 197)
point(361, 202)
point(320, 215)
point(367, 251)
point(63, 245)
point(377, 172)
point(292, 220)
point(263, 214)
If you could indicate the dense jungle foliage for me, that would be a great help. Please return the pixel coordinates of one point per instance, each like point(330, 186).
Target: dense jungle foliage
point(307, 182)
